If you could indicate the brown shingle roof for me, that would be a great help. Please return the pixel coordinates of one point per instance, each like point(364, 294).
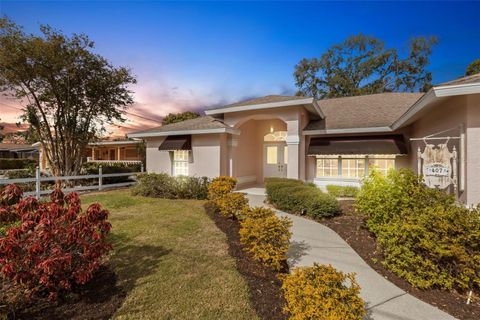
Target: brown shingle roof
point(261, 100)
point(465, 80)
point(16, 146)
point(200, 123)
point(375, 110)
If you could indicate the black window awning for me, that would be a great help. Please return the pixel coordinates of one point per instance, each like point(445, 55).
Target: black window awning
point(171, 143)
point(391, 144)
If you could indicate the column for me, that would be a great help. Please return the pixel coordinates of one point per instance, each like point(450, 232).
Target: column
point(293, 143)
point(232, 149)
point(118, 153)
point(93, 153)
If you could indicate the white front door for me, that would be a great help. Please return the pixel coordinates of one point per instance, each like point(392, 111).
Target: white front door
point(275, 159)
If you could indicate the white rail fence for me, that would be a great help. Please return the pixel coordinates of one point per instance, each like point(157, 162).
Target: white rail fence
point(98, 186)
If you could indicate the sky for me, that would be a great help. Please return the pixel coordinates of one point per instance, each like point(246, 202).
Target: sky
point(194, 55)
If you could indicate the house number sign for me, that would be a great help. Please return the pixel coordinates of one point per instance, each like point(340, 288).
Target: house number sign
point(438, 165)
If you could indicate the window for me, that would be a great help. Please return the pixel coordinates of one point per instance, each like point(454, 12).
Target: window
point(272, 155)
point(383, 165)
point(180, 163)
point(327, 167)
point(285, 155)
point(353, 168)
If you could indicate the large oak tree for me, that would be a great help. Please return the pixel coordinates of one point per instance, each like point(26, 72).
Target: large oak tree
point(363, 65)
point(69, 93)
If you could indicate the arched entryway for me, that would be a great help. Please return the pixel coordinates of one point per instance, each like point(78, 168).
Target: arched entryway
point(260, 150)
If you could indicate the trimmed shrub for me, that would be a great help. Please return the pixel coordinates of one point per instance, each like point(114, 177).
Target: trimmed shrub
point(384, 198)
point(321, 292)
point(10, 164)
point(294, 196)
point(266, 237)
point(231, 204)
point(221, 186)
point(191, 187)
point(56, 246)
point(162, 185)
point(342, 191)
point(434, 247)
point(155, 185)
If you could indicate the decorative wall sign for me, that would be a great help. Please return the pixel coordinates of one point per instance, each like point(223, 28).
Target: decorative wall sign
point(438, 165)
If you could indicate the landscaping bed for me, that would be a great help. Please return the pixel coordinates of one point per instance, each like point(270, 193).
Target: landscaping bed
point(264, 285)
point(352, 228)
point(169, 261)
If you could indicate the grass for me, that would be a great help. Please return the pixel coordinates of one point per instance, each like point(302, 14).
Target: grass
point(171, 260)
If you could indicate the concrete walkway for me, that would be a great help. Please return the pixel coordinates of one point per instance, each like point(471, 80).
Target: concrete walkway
point(314, 242)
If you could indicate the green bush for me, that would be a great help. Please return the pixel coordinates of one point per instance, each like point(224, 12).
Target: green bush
point(383, 198)
point(93, 168)
point(425, 236)
point(295, 196)
point(10, 164)
point(162, 185)
point(322, 292)
point(434, 247)
point(342, 191)
point(21, 174)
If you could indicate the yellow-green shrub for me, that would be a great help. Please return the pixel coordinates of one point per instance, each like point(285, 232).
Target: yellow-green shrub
point(436, 246)
point(383, 198)
point(266, 237)
point(322, 293)
point(231, 204)
point(221, 186)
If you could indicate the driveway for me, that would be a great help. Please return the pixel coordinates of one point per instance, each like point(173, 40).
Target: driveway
point(314, 242)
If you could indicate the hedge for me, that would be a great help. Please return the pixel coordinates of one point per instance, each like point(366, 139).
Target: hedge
point(93, 168)
point(162, 185)
point(295, 196)
point(10, 164)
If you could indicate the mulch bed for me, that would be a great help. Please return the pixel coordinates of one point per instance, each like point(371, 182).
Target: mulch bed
point(263, 284)
point(98, 299)
point(352, 228)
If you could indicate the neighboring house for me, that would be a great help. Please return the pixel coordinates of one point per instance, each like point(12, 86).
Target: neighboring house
point(332, 141)
point(108, 152)
point(18, 151)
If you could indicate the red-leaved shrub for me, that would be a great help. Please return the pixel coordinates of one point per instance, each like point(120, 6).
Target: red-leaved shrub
point(56, 247)
point(9, 196)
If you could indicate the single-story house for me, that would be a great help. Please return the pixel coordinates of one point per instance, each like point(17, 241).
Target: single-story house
point(108, 152)
point(331, 141)
point(18, 151)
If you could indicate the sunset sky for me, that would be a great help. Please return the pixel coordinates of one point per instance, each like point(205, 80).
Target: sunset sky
point(192, 55)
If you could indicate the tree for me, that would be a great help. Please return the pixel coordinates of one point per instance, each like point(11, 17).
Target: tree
point(473, 68)
point(362, 65)
point(70, 93)
point(178, 117)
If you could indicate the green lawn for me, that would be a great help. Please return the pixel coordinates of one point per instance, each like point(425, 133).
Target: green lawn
point(172, 260)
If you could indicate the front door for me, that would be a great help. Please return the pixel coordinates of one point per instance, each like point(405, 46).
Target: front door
point(275, 156)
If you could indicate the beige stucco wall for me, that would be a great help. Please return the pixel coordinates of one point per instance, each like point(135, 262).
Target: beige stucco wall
point(446, 114)
point(472, 146)
point(157, 161)
point(205, 158)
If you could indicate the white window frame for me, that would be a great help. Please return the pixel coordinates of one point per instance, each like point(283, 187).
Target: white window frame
point(180, 161)
point(366, 158)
